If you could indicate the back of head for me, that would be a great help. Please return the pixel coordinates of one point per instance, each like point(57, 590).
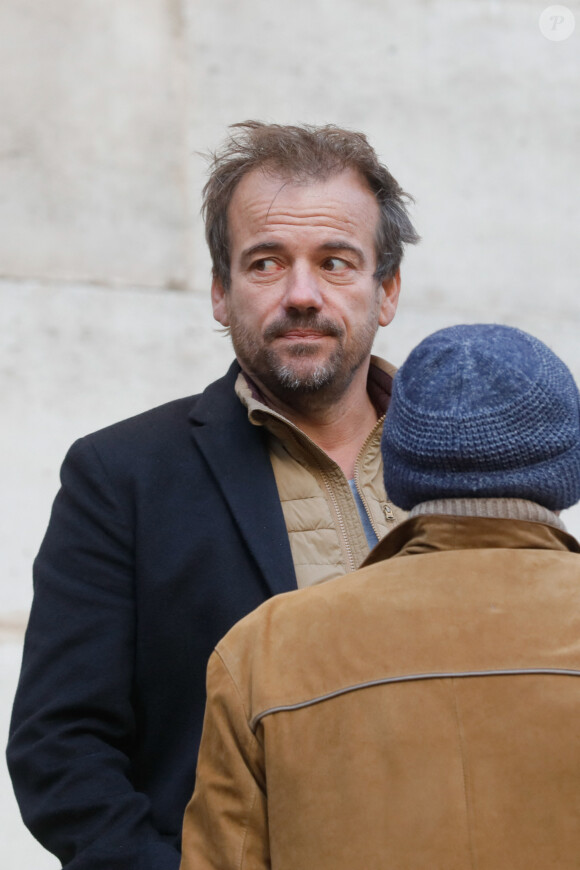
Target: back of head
point(303, 153)
point(483, 411)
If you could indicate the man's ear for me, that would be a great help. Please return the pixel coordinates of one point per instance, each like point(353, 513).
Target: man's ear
point(390, 289)
point(219, 302)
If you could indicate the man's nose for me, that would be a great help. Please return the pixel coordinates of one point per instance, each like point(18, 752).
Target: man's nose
point(302, 290)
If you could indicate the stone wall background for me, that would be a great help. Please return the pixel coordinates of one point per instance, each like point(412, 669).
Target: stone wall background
point(104, 276)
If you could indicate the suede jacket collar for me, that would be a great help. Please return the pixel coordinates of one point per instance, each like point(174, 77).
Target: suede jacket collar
point(432, 533)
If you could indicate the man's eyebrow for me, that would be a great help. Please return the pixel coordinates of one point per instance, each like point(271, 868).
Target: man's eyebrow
point(260, 248)
point(332, 246)
point(339, 245)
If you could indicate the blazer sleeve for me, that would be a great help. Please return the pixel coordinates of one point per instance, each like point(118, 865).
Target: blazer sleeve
point(226, 821)
point(73, 722)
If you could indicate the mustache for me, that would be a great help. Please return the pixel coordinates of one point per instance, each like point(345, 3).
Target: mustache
point(302, 321)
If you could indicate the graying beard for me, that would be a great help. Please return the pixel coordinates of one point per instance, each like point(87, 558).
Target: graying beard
point(317, 379)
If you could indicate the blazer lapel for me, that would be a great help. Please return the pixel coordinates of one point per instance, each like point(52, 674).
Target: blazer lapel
point(237, 455)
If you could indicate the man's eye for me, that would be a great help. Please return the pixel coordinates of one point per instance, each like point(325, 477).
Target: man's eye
point(335, 264)
point(265, 265)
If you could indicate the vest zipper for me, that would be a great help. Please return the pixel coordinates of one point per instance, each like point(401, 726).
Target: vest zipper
point(389, 515)
point(347, 547)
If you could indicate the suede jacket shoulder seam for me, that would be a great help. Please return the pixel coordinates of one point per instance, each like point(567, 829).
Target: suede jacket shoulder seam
point(405, 678)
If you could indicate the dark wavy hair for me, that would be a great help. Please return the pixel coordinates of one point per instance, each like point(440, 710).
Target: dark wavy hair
point(303, 152)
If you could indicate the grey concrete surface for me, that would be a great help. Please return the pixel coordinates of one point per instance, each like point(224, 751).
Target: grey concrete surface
point(104, 275)
point(92, 108)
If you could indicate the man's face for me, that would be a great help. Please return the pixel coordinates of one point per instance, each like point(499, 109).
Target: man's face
point(303, 306)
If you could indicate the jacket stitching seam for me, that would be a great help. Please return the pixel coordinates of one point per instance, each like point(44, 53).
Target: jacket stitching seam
point(221, 654)
point(252, 740)
point(465, 774)
point(407, 678)
point(123, 521)
point(247, 828)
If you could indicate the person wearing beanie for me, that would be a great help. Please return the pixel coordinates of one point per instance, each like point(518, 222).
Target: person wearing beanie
point(422, 712)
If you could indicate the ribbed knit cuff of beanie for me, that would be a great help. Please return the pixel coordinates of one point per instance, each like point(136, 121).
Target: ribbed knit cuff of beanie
point(496, 508)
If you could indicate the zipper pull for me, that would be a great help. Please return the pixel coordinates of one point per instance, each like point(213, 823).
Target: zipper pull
point(389, 515)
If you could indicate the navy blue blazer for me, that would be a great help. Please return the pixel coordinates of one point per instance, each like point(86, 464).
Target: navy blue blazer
point(167, 529)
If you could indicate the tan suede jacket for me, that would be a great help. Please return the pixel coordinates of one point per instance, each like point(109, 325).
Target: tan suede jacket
point(423, 712)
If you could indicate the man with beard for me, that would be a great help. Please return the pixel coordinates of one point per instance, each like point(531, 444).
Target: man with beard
point(171, 526)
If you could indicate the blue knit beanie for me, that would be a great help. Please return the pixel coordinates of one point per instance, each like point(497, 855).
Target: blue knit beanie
point(483, 411)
